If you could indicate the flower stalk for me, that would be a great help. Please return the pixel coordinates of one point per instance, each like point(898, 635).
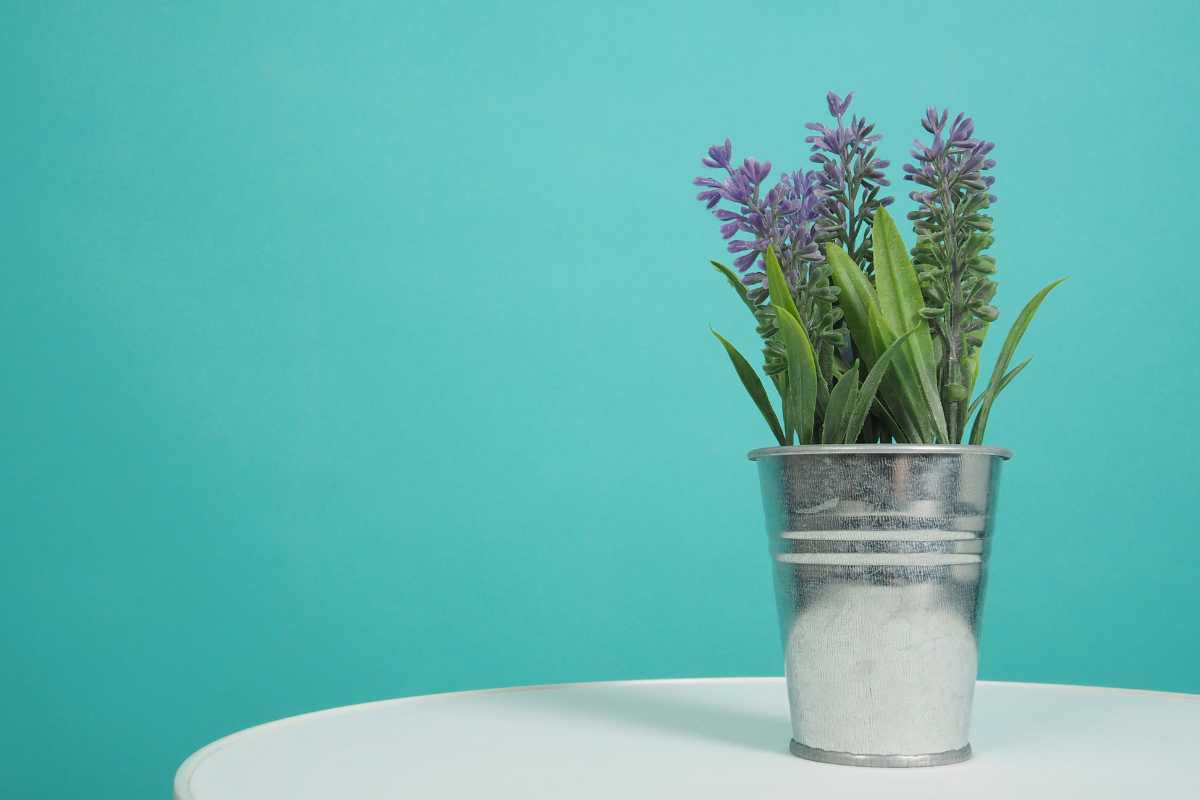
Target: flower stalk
point(953, 231)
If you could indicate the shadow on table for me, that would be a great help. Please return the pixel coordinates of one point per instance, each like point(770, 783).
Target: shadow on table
point(684, 714)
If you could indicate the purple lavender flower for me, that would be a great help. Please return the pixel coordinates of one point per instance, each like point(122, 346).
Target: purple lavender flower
point(838, 106)
point(850, 177)
point(782, 217)
point(951, 166)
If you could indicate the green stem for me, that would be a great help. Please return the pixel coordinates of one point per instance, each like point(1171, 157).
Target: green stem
point(952, 365)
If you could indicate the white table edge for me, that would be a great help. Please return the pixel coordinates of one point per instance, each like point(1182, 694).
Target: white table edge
point(183, 776)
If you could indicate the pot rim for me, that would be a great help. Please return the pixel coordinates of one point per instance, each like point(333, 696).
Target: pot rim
point(880, 449)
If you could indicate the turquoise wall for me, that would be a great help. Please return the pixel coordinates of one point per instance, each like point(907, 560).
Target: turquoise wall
point(360, 350)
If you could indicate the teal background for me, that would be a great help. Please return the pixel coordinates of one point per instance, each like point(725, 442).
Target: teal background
point(362, 351)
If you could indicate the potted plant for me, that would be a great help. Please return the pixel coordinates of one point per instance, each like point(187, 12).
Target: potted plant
point(880, 493)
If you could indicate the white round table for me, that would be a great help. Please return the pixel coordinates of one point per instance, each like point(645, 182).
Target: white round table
point(705, 738)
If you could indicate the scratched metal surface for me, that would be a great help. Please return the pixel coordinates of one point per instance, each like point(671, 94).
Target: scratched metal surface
point(880, 561)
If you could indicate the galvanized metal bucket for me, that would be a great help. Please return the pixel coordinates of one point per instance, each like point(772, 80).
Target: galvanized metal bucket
point(880, 556)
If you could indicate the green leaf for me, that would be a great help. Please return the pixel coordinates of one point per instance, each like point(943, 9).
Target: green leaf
point(735, 282)
point(1012, 373)
point(900, 301)
point(866, 394)
point(781, 295)
point(901, 389)
point(971, 374)
point(803, 393)
point(801, 399)
point(971, 363)
point(856, 299)
point(841, 399)
point(1006, 353)
point(790, 396)
point(822, 384)
point(860, 304)
point(753, 386)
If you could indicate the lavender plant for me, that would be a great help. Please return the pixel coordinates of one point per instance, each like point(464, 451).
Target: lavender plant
point(862, 342)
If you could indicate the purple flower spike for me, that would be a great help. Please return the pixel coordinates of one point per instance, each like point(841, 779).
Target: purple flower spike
point(951, 166)
point(953, 232)
point(850, 178)
point(782, 216)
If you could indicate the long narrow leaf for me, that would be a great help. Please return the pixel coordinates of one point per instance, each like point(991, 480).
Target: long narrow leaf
point(735, 282)
point(971, 362)
point(822, 384)
point(855, 298)
point(866, 393)
point(1006, 353)
point(781, 297)
point(901, 389)
point(777, 285)
point(753, 386)
point(900, 301)
point(801, 394)
point(841, 400)
point(802, 375)
point(1012, 373)
point(790, 395)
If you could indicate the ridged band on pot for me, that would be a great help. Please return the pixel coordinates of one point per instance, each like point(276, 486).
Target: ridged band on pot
point(880, 556)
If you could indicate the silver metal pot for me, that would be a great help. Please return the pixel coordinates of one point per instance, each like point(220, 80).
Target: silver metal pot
point(880, 555)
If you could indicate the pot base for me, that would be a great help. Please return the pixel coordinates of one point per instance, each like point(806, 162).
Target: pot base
point(860, 760)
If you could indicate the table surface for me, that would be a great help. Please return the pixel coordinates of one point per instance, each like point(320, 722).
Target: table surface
point(699, 738)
